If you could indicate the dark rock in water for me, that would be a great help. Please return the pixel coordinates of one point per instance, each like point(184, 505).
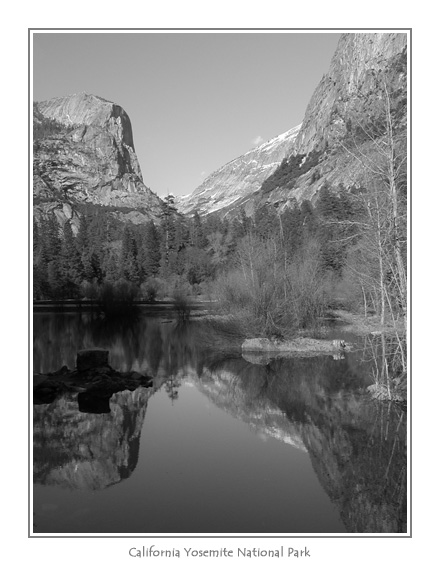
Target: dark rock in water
point(44, 396)
point(47, 391)
point(94, 381)
point(88, 359)
point(61, 371)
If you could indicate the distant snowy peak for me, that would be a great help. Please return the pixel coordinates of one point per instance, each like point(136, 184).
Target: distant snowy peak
point(274, 143)
point(239, 178)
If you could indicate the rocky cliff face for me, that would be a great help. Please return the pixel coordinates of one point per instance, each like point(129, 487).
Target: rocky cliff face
point(346, 110)
point(348, 97)
point(84, 153)
point(236, 181)
point(347, 87)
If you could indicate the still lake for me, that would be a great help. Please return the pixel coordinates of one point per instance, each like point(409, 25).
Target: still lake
point(221, 444)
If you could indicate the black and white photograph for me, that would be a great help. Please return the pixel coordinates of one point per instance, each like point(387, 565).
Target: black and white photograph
point(219, 275)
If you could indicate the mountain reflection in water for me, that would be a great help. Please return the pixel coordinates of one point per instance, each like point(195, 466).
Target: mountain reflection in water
point(189, 441)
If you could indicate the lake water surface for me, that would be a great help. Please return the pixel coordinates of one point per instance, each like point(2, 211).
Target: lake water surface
point(220, 444)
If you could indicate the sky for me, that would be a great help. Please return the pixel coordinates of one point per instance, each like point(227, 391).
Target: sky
point(195, 100)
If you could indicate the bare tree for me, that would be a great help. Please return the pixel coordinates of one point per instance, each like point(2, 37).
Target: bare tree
point(378, 261)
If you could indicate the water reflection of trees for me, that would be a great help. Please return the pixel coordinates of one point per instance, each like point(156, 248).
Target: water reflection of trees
point(138, 344)
point(357, 446)
point(384, 354)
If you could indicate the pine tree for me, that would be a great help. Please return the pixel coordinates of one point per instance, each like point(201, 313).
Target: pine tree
point(266, 223)
point(54, 279)
point(309, 220)
point(35, 239)
point(168, 231)
point(70, 266)
point(110, 263)
point(128, 260)
point(92, 267)
point(51, 244)
point(150, 251)
point(82, 239)
point(292, 229)
point(198, 238)
point(48, 255)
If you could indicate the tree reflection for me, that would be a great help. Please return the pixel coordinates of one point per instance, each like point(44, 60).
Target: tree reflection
point(357, 446)
point(384, 355)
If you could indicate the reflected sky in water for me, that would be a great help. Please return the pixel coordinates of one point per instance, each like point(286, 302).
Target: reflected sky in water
point(219, 445)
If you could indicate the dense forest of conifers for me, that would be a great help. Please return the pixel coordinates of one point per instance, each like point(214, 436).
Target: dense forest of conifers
point(189, 253)
point(275, 272)
point(279, 268)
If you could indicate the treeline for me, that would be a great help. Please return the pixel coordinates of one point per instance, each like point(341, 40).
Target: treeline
point(275, 273)
point(288, 266)
point(179, 252)
point(290, 169)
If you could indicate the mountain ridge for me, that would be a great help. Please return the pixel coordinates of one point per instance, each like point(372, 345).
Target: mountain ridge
point(240, 177)
point(91, 159)
point(346, 95)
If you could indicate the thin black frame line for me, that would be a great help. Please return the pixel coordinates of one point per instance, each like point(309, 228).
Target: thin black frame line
point(379, 536)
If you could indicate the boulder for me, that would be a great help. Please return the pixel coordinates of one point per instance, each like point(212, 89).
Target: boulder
point(94, 380)
point(299, 346)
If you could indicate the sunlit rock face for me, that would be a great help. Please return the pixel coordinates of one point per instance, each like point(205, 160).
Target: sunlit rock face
point(91, 159)
point(86, 451)
point(236, 181)
point(347, 87)
point(347, 98)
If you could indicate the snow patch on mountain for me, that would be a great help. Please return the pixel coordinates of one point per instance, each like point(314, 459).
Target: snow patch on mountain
point(240, 177)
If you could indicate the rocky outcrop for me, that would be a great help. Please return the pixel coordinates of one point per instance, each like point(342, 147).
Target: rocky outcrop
point(347, 87)
point(238, 180)
point(313, 403)
point(298, 346)
point(90, 419)
point(347, 98)
point(345, 110)
point(93, 379)
point(84, 153)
